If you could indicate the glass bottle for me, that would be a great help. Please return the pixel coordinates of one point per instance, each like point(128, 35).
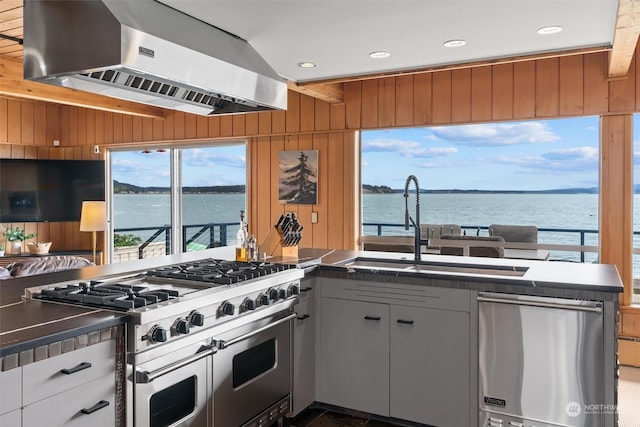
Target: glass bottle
point(252, 249)
point(241, 240)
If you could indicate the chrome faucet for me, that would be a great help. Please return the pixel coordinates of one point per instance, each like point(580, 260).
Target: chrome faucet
point(418, 241)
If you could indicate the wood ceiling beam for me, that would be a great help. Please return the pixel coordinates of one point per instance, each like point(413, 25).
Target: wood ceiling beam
point(14, 86)
point(625, 38)
point(333, 93)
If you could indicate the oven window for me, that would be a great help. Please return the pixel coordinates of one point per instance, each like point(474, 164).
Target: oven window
point(253, 362)
point(173, 403)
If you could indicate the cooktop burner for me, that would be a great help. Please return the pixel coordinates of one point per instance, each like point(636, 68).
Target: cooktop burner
point(217, 271)
point(158, 285)
point(109, 295)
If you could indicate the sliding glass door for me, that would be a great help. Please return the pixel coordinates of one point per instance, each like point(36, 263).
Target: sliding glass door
point(174, 199)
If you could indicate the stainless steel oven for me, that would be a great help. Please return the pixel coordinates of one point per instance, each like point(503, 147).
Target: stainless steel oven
point(252, 372)
point(173, 389)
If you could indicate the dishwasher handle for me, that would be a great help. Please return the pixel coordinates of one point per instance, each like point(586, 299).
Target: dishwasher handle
point(589, 306)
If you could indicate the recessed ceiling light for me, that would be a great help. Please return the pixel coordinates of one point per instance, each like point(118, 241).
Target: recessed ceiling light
point(552, 29)
point(454, 43)
point(306, 64)
point(379, 54)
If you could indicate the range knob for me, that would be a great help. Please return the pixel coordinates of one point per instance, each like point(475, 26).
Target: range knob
point(157, 334)
point(181, 327)
point(273, 294)
point(196, 318)
point(282, 294)
point(248, 305)
point(263, 299)
point(294, 290)
point(227, 309)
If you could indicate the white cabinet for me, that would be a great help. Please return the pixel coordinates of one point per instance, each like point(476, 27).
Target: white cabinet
point(68, 370)
point(396, 350)
point(354, 355)
point(429, 374)
point(304, 348)
point(11, 419)
point(10, 391)
point(90, 404)
point(73, 389)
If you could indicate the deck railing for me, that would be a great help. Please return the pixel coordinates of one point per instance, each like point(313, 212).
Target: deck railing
point(204, 236)
point(560, 240)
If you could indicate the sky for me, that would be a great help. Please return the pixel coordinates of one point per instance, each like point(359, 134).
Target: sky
point(219, 165)
point(529, 155)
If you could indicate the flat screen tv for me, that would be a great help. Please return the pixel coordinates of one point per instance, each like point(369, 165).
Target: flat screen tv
point(48, 190)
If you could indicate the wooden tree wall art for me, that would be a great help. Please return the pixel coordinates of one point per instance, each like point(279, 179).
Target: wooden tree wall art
point(298, 177)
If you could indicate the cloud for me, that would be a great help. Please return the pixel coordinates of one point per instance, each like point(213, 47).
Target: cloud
point(210, 158)
point(576, 159)
point(498, 134)
point(405, 148)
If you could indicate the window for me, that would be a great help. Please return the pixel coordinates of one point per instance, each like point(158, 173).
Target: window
point(175, 199)
point(542, 173)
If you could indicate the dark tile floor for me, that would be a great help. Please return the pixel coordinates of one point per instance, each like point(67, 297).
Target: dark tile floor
point(318, 417)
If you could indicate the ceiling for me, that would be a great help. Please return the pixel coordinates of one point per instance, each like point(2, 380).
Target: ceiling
point(338, 36)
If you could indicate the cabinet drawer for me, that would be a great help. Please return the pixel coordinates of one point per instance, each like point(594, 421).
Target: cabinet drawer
point(45, 378)
point(65, 409)
point(306, 289)
point(11, 419)
point(397, 293)
point(10, 390)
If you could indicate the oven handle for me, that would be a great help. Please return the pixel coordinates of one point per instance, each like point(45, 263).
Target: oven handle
point(222, 344)
point(145, 377)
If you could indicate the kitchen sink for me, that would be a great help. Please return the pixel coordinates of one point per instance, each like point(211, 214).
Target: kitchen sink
point(411, 266)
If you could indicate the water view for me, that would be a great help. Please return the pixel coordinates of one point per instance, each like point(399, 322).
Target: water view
point(564, 211)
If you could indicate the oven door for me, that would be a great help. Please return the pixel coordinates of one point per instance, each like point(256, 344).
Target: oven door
point(252, 372)
point(173, 390)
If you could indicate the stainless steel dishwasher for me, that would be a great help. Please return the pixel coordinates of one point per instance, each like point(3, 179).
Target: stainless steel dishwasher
point(540, 361)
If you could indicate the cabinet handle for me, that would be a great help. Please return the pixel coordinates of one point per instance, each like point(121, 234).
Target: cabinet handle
point(306, 289)
point(304, 316)
point(372, 318)
point(94, 408)
point(80, 367)
point(405, 322)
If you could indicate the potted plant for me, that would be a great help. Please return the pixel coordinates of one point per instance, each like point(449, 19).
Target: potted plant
point(16, 236)
point(1, 249)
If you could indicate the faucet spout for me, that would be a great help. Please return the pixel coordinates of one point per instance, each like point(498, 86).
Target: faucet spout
point(407, 218)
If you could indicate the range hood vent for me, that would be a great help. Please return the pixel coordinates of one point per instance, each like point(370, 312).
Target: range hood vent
point(144, 51)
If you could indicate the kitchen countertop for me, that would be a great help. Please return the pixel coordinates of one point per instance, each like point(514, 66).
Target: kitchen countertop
point(538, 277)
point(27, 324)
point(31, 323)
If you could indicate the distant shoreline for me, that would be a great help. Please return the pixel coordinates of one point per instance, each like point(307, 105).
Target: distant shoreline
point(124, 188)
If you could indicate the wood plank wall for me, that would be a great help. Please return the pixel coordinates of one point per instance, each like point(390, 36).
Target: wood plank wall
point(554, 87)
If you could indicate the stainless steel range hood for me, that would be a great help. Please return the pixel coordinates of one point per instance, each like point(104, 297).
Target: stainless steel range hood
point(144, 51)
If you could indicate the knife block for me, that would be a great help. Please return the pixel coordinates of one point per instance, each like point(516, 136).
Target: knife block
point(273, 246)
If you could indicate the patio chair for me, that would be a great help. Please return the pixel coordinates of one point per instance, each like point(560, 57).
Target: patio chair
point(482, 251)
point(515, 233)
point(435, 231)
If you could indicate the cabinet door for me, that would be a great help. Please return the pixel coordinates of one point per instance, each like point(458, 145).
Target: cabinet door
point(430, 366)
point(304, 348)
point(354, 352)
point(66, 409)
point(10, 390)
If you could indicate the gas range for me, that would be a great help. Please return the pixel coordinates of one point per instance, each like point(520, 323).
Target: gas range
point(173, 302)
